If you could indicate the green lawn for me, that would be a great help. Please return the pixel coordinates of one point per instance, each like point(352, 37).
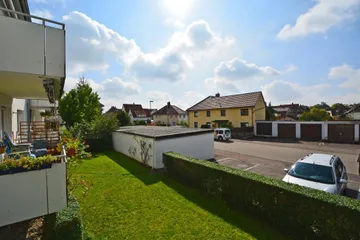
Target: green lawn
point(127, 201)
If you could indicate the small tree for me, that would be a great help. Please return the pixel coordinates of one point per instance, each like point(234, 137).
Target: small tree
point(80, 104)
point(123, 118)
point(315, 114)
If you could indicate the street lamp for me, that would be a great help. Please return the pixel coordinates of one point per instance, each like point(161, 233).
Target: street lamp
point(151, 101)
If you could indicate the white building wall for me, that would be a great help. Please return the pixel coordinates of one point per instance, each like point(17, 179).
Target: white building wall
point(199, 146)
point(5, 108)
point(126, 143)
point(32, 194)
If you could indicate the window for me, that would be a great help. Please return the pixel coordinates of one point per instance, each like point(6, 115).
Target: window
point(313, 172)
point(208, 114)
point(244, 112)
point(244, 124)
point(208, 123)
point(195, 124)
point(221, 132)
point(196, 114)
point(223, 113)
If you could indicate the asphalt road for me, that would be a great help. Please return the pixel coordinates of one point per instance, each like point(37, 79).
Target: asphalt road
point(270, 158)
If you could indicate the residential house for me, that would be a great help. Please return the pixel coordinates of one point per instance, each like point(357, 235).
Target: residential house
point(32, 67)
point(137, 112)
point(241, 110)
point(170, 115)
point(353, 113)
point(287, 112)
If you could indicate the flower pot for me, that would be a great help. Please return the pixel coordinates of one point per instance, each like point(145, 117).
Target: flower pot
point(46, 165)
point(2, 150)
point(4, 172)
point(17, 170)
point(70, 152)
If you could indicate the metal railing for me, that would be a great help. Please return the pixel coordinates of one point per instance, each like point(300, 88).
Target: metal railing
point(43, 20)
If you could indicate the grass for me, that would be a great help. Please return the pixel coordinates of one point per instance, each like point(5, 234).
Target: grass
point(128, 201)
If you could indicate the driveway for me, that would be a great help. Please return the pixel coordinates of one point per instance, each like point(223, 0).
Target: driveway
point(270, 158)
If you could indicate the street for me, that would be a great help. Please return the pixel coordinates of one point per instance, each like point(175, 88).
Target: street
point(270, 158)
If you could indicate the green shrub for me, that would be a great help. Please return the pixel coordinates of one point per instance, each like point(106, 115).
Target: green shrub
point(304, 212)
point(65, 224)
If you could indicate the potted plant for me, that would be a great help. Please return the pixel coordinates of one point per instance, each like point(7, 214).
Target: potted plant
point(2, 147)
point(72, 146)
point(4, 169)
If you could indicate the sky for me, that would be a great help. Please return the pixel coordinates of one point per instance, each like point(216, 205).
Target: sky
point(294, 51)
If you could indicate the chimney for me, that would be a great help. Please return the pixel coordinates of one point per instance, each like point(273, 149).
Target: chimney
point(168, 104)
point(217, 95)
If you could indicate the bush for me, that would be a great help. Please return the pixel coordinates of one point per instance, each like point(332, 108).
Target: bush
point(306, 213)
point(65, 224)
point(139, 122)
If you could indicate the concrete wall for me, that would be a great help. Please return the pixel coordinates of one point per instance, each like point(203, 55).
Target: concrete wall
point(5, 108)
point(32, 194)
point(324, 128)
point(126, 143)
point(197, 146)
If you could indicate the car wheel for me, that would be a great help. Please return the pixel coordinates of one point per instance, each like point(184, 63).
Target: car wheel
point(220, 138)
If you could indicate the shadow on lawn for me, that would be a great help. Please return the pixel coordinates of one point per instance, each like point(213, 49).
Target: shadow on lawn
point(217, 207)
point(137, 169)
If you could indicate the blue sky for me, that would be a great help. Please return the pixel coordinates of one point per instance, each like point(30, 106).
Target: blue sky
point(182, 51)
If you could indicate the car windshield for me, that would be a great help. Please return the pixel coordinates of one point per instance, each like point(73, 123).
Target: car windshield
point(227, 132)
point(313, 172)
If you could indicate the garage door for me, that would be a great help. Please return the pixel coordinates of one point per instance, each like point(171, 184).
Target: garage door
point(341, 133)
point(311, 132)
point(264, 129)
point(286, 131)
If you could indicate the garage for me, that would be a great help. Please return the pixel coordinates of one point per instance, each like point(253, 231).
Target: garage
point(341, 133)
point(146, 144)
point(286, 130)
point(264, 129)
point(311, 132)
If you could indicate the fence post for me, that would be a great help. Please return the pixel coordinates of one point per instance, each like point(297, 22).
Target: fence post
point(274, 129)
point(324, 131)
point(356, 132)
point(298, 130)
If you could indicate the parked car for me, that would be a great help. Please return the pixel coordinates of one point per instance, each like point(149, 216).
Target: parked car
point(222, 134)
point(319, 171)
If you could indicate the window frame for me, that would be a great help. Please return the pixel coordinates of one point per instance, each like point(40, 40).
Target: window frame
point(248, 124)
point(223, 111)
point(208, 113)
point(244, 109)
point(196, 113)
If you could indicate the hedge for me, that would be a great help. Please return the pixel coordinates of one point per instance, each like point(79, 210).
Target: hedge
point(305, 213)
point(65, 224)
point(99, 145)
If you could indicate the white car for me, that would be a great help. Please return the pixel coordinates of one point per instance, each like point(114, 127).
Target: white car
point(319, 171)
point(222, 134)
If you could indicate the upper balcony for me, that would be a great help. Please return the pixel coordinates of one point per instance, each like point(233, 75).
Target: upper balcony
point(30, 53)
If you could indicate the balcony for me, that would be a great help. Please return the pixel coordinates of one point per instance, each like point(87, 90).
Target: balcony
point(30, 53)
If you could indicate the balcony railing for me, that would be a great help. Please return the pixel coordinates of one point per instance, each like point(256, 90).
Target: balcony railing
point(31, 47)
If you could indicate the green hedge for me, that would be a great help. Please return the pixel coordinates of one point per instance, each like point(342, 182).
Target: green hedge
point(99, 145)
point(303, 212)
point(66, 224)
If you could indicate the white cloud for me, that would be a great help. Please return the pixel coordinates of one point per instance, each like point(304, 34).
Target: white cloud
point(347, 73)
point(174, 23)
point(42, 13)
point(320, 18)
point(90, 44)
point(290, 68)
point(111, 90)
point(282, 92)
point(228, 75)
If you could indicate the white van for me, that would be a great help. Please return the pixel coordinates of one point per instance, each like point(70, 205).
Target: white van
point(222, 134)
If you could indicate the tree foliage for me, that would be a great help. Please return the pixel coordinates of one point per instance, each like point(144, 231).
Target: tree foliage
point(315, 114)
point(322, 105)
point(123, 118)
point(80, 104)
